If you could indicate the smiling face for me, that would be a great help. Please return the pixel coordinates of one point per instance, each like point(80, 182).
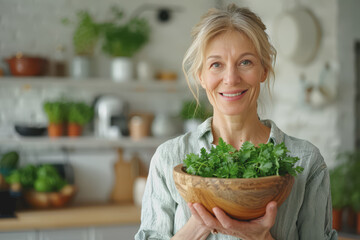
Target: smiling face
point(231, 74)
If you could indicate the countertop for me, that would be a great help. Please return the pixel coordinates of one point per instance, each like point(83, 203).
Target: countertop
point(84, 216)
point(72, 216)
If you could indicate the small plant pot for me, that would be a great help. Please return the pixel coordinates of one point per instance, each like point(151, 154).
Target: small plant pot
point(351, 218)
point(358, 223)
point(74, 130)
point(337, 219)
point(56, 130)
point(81, 67)
point(122, 69)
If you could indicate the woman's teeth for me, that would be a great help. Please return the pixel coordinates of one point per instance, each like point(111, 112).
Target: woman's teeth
point(232, 94)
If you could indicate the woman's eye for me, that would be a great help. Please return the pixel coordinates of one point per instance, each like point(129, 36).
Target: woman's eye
point(215, 65)
point(245, 62)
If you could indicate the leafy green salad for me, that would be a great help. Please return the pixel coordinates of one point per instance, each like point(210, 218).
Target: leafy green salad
point(224, 161)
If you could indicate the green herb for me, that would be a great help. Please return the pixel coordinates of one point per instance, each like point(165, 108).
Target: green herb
point(44, 178)
point(86, 33)
point(9, 160)
point(190, 110)
point(79, 113)
point(56, 111)
point(224, 161)
point(124, 39)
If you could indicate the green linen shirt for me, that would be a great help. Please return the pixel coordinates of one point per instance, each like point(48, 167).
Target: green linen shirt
point(305, 214)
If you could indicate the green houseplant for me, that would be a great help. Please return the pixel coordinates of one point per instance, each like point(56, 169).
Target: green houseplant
point(121, 39)
point(79, 113)
point(85, 38)
point(56, 112)
point(338, 180)
point(345, 180)
point(193, 114)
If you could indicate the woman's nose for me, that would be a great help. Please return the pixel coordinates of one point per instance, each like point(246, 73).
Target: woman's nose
point(231, 77)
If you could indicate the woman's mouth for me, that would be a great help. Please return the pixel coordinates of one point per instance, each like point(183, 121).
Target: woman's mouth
point(233, 95)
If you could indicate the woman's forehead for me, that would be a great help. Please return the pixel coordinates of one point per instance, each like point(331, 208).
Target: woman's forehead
point(229, 41)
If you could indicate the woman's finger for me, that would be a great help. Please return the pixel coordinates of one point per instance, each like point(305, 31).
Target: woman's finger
point(195, 213)
point(270, 215)
point(208, 219)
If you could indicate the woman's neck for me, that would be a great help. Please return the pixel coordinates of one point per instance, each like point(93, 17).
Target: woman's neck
point(236, 130)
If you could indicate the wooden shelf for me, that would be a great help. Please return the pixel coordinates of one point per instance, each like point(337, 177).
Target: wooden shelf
point(82, 142)
point(97, 84)
point(72, 216)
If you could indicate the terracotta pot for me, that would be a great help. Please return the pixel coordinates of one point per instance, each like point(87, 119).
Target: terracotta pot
point(55, 130)
point(351, 218)
point(337, 219)
point(21, 65)
point(74, 130)
point(358, 223)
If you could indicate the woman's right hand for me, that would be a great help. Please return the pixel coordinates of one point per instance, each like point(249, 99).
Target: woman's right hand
point(193, 229)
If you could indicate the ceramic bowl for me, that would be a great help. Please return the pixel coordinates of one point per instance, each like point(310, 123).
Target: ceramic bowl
point(240, 198)
point(21, 65)
point(28, 130)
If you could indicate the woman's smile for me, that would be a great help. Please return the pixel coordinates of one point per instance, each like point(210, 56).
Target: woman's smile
point(233, 95)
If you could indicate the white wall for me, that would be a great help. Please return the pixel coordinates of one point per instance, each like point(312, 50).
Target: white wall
point(348, 34)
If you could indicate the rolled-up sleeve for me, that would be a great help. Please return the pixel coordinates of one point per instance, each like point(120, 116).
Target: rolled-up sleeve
point(315, 216)
point(158, 207)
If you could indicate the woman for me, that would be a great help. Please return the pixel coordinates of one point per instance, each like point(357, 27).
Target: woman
point(230, 57)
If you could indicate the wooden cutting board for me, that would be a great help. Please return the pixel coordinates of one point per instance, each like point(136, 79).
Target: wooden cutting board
point(125, 174)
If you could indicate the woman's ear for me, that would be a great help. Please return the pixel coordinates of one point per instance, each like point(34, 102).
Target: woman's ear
point(265, 75)
point(201, 80)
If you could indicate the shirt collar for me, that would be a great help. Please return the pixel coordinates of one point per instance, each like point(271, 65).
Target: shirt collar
point(276, 135)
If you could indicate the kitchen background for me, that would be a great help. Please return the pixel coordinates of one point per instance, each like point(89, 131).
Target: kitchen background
point(34, 27)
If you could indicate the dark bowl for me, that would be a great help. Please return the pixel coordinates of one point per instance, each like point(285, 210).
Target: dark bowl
point(30, 130)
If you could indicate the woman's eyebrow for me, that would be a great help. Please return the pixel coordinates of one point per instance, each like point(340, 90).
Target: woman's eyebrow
point(241, 56)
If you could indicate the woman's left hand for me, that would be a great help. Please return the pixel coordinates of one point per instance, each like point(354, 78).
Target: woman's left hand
point(247, 230)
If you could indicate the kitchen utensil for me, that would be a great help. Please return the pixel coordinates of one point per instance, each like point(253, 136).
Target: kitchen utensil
point(111, 115)
point(241, 198)
point(297, 35)
point(23, 65)
point(125, 174)
point(30, 129)
point(140, 125)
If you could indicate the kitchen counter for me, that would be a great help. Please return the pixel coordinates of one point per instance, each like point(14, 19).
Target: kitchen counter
point(84, 216)
point(72, 216)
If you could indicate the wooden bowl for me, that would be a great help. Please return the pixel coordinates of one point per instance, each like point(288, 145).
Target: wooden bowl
point(240, 198)
point(50, 199)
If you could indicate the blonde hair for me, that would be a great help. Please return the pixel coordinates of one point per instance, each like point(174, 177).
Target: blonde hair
point(217, 21)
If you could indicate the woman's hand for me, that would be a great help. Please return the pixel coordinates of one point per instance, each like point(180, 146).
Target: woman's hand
point(193, 229)
point(247, 230)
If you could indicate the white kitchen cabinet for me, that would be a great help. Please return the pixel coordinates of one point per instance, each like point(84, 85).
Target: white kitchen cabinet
point(125, 232)
point(62, 234)
point(28, 235)
point(122, 232)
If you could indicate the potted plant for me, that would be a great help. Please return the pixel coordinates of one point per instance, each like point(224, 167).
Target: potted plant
point(193, 114)
point(79, 113)
point(354, 183)
point(338, 180)
point(121, 39)
point(85, 38)
point(56, 112)
point(348, 186)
